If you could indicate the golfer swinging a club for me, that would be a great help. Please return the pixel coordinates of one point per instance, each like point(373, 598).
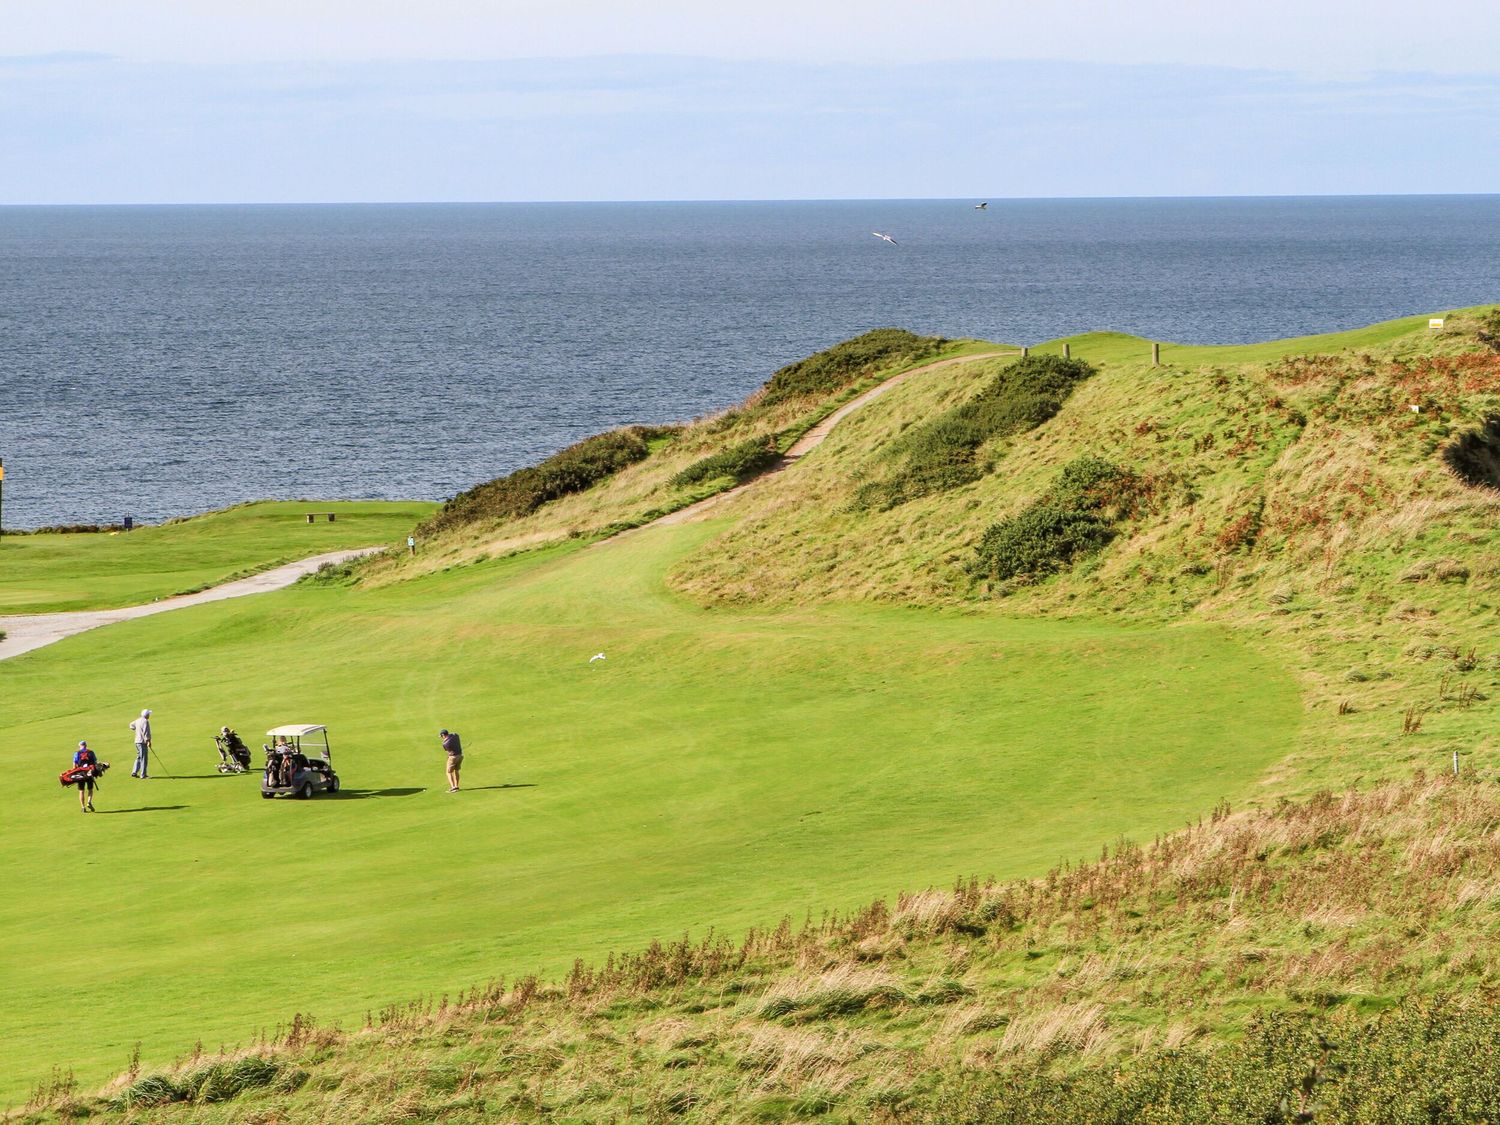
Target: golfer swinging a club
point(454, 748)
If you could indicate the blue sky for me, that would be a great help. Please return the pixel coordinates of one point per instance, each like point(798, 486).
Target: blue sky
point(461, 100)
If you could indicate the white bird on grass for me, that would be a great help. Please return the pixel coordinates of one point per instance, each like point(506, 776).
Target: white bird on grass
point(887, 237)
point(596, 656)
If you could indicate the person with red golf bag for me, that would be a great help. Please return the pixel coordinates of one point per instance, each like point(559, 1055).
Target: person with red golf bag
point(84, 773)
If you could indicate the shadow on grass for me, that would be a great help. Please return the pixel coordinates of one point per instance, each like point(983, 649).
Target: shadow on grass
point(364, 794)
point(482, 788)
point(143, 808)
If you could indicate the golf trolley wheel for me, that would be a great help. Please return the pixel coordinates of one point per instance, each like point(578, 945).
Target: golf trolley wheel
point(333, 785)
point(305, 792)
point(267, 796)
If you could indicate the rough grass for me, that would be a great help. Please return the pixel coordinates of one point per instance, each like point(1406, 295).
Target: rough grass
point(738, 463)
point(839, 367)
point(1076, 519)
point(667, 479)
point(575, 469)
point(1329, 958)
point(943, 453)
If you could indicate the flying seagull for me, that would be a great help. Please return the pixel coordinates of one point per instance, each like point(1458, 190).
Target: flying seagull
point(596, 656)
point(887, 237)
point(981, 206)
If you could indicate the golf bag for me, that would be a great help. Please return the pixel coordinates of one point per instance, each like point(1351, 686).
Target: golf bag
point(234, 755)
point(282, 764)
point(76, 775)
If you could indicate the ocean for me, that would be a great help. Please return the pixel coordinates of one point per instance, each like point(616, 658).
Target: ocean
point(160, 361)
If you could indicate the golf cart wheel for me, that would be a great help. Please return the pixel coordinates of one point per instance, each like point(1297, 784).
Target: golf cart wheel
point(305, 792)
point(266, 795)
point(333, 785)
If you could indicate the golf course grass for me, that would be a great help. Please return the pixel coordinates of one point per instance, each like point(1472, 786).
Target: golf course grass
point(1120, 347)
point(719, 768)
point(49, 573)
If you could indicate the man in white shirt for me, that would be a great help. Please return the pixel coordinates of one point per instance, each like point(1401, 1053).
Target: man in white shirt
point(141, 728)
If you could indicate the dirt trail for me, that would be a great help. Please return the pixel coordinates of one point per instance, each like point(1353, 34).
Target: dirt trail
point(814, 438)
point(33, 631)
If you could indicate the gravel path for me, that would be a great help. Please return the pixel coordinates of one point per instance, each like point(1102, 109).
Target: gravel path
point(24, 633)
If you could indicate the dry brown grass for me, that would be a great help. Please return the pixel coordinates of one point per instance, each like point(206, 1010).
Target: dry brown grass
point(1080, 1027)
point(1387, 891)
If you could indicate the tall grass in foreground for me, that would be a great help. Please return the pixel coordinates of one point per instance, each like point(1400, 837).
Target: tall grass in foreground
point(1322, 961)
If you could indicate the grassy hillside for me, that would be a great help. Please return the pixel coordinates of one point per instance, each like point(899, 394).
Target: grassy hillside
point(48, 573)
point(1300, 502)
point(628, 477)
point(1324, 961)
point(1248, 574)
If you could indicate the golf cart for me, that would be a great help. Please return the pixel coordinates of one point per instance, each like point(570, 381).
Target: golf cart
point(290, 770)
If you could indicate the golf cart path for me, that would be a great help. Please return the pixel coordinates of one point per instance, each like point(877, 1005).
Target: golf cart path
point(36, 630)
point(815, 437)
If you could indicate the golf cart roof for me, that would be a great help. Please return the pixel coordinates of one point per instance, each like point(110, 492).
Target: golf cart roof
point(295, 730)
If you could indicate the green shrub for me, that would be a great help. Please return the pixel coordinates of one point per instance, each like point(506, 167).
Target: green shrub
point(837, 367)
point(943, 453)
point(1488, 332)
point(574, 469)
point(1474, 456)
point(151, 1090)
point(1424, 1062)
point(223, 1081)
point(1076, 519)
point(740, 462)
point(218, 1081)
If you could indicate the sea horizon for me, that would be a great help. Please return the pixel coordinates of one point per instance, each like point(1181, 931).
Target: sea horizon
point(979, 196)
point(158, 359)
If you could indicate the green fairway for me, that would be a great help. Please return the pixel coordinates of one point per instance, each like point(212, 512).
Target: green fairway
point(718, 768)
point(103, 570)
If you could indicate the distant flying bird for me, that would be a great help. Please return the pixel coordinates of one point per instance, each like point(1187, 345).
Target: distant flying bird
point(887, 237)
point(596, 656)
point(981, 206)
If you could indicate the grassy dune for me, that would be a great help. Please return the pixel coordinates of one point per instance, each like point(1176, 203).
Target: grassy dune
point(103, 570)
point(647, 489)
